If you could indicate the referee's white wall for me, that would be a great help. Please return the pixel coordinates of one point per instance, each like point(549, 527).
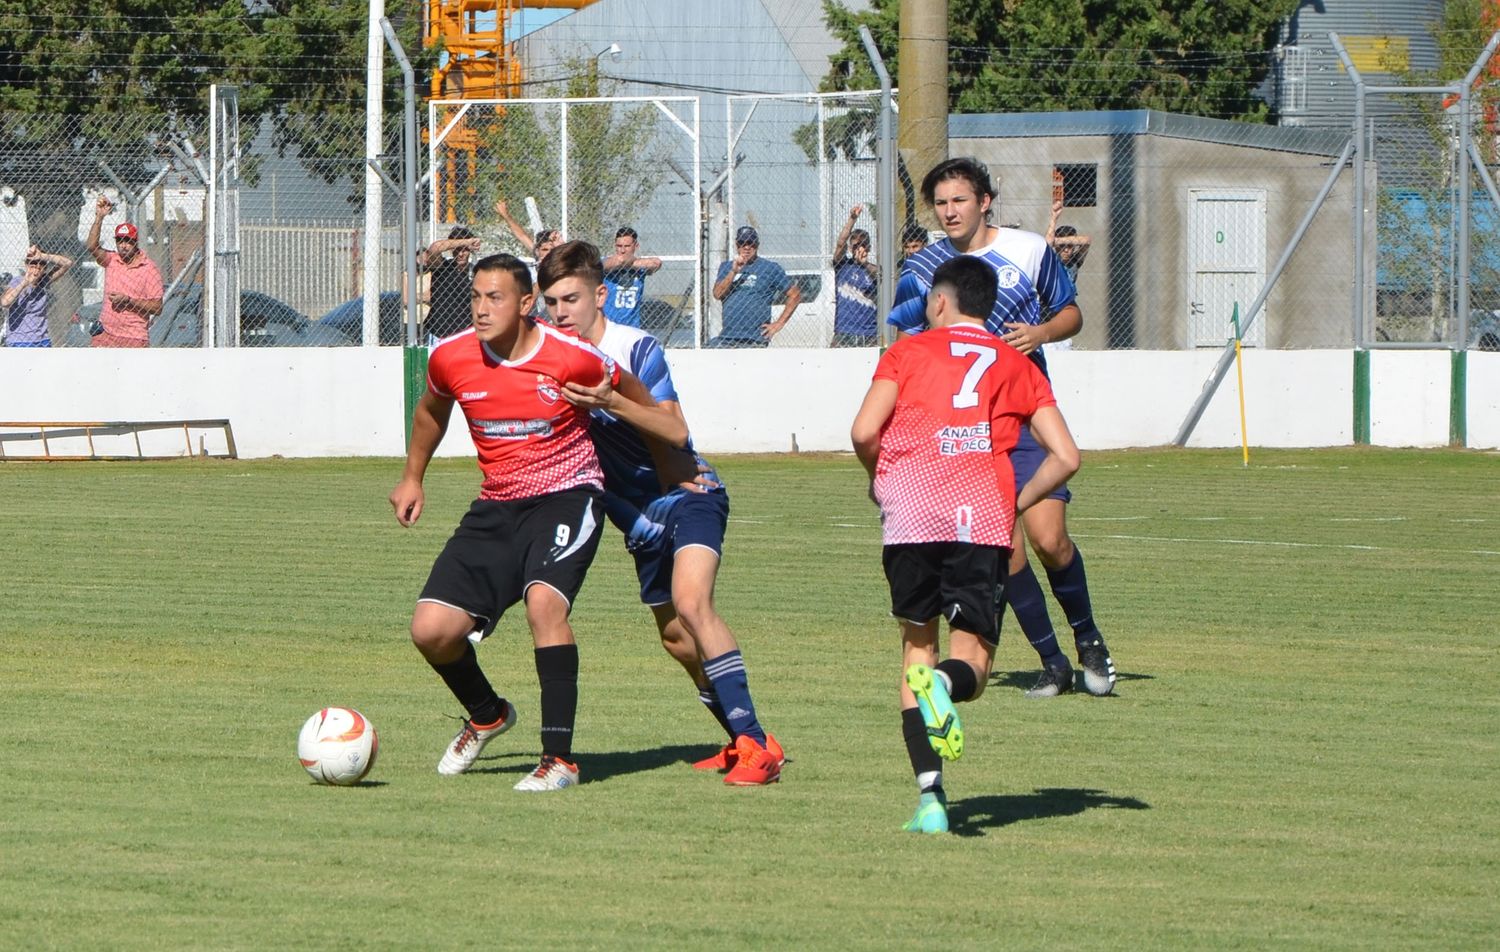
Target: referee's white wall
point(348, 401)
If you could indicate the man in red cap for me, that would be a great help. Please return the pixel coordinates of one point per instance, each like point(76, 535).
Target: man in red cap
point(132, 284)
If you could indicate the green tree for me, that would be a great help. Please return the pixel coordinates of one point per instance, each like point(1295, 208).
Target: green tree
point(616, 155)
point(100, 75)
point(1198, 57)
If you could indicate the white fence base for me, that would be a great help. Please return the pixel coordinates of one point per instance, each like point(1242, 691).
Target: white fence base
point(348, 401)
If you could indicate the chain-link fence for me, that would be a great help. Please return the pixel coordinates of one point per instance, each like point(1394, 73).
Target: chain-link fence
point(1173, 225)
point(290, 225)
point(798, 167)
point(1178, 224)
point(54, 168)
point(513, 170)
point(1424, 188)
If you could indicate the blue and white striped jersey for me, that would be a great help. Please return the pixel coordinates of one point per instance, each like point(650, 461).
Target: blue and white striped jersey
point(630, 476)
point(1029, 276)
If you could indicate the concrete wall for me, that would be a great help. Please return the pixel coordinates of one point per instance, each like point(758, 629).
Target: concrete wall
point(348, 401)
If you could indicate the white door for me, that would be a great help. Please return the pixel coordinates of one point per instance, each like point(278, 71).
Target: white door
point(1228, 242)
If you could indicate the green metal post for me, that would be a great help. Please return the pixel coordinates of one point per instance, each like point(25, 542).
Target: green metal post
point(1458, 399)
point(414, 364)
point(1362, 398)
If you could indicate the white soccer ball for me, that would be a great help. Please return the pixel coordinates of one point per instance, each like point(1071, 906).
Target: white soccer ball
point(338, 746)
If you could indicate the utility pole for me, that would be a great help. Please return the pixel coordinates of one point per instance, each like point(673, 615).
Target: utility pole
point(922, 75)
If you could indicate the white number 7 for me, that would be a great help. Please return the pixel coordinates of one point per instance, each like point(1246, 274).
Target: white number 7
point(968, 391)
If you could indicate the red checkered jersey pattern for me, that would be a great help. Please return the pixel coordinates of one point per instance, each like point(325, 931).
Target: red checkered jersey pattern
point(944, 471)
point(530, 440)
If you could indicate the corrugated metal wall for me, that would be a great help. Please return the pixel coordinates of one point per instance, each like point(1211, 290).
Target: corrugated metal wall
point(1312, 86)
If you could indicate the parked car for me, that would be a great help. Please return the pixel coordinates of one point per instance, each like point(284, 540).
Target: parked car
point(348, 319)
point(264, 322)
point(1484, 331)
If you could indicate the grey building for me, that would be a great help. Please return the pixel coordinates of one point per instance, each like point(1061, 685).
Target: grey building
point(1187, 217)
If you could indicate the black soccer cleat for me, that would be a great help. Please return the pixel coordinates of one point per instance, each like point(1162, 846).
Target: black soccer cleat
point(1098, 667)
point(1054, 681)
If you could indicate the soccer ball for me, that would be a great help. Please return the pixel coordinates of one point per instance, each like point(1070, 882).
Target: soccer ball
point(338, 746)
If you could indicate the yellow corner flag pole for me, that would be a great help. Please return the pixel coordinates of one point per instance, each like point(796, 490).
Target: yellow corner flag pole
point(1239, 372)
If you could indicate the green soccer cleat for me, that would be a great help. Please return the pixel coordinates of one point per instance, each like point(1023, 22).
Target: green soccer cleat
point(944, 732)
point(931, 817)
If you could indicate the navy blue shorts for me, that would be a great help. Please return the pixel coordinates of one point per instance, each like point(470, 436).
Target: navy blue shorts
point(1026, 458)
point(503, 547)
point(695, 519)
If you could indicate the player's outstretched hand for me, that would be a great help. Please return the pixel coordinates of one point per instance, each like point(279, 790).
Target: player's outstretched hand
point(589, 398)
point(1023, 337)
point(407, 499)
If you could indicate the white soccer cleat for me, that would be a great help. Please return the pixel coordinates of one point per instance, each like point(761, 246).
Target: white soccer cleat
point(553, 773)
point(464, 750)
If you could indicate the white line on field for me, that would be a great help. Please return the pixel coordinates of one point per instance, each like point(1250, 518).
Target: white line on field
point(1287, 545)
point(1270, 542)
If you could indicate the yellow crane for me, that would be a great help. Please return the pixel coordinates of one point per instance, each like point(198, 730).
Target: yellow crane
point(479, 65)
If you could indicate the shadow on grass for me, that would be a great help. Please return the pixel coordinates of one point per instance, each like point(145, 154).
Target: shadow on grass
point(975, 816)
point(363, 784)
point(598, 767)
point(1026, 680)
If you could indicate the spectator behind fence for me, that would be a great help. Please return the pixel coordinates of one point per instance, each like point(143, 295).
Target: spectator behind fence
point(28, 297)
point(854, 276)
point(1071, 248)
point(913, 240)
point(132, 284)
point(450, 283)
point(538, 246)
point(625, 279)
point(748, 286)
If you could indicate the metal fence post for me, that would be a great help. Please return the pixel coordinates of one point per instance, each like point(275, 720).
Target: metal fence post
point(414, 354)
point(884, 192)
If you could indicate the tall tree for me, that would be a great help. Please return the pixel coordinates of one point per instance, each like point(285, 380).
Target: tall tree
point(1199, 57)
point(84, 77)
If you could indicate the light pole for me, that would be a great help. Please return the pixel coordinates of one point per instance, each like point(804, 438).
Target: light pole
point(613, 52)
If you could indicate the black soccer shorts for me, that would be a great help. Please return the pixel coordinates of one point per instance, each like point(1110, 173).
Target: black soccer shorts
point(963, 582)
point(501, 548)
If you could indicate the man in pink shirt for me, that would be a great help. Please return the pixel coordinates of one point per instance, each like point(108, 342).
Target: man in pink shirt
point(132, 284)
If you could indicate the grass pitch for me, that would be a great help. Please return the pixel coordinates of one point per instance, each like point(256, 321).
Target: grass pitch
point(1302, 752)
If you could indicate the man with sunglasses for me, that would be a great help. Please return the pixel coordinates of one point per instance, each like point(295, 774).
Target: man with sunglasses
point(132, 283)
point(749, 285)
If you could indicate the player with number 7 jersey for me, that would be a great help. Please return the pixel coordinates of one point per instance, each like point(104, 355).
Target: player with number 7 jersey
point(934, 433)
point(944, 472)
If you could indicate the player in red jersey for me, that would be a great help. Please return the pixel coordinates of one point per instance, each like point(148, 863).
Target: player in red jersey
point(532, 533)
point(935, 432)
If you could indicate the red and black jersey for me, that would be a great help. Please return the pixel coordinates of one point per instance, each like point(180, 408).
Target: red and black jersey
point(530, 440)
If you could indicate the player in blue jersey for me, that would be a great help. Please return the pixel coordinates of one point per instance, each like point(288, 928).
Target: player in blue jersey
point(672, 509)
point(1031, 281)
point(625, 279)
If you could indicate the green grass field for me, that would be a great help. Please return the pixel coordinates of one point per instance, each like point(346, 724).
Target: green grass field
point(1302, 751)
